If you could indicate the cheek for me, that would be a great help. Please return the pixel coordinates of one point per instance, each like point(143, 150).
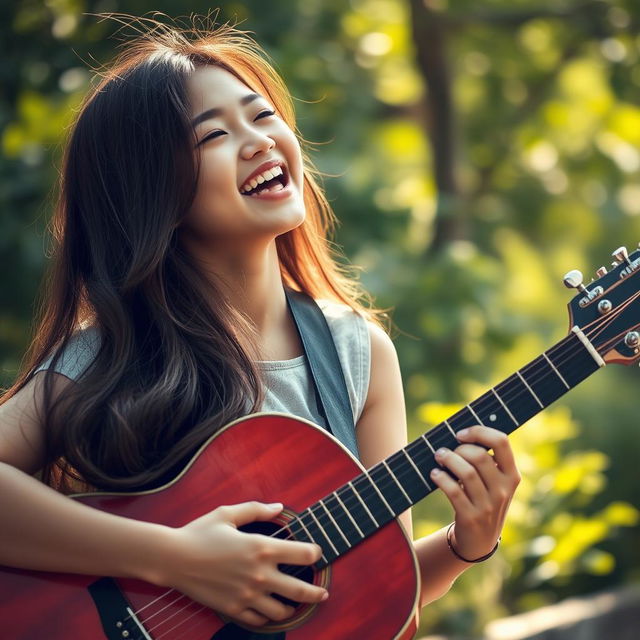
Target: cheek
point(214, 187)
point(214, 203)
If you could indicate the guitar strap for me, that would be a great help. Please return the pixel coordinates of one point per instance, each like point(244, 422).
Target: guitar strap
point(326, 370)
point(332, 398)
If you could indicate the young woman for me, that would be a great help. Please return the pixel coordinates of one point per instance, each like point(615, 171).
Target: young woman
point(165, 318)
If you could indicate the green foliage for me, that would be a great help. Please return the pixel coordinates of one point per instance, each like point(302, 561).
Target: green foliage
point(546, 161)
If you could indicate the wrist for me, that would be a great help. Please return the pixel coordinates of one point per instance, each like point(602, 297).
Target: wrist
point(152, 557)
point(470, 560)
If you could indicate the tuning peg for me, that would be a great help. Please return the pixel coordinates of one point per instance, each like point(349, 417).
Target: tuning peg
point(573, 280)
point(602, 271)
point(621, 255)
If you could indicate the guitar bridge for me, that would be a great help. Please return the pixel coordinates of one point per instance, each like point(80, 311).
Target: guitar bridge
point(118, 620)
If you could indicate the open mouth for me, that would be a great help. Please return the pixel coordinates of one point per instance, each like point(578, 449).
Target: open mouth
point(271, 180)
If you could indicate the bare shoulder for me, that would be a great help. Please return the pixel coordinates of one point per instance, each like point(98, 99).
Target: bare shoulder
point(21, 430)
point(385, 368)
point(381, 429)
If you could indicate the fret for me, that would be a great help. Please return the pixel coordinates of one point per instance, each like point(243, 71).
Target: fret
point(440, 437)
point(371, 496)
point(344, 508)
point(495, 393)
point(473, 413)
point(343, 518)
point(314, 524)
point(422, 455)
point(413, 464)
point(329, 528)
point(324, 533)
point(543, 380)
point(453, 433)
point(413, 488)
point(311, 538)
point(375, 486)
point(553, 366)
point(362, 502)
point(531, 391)
point(424, 437)
point(302, 535)
point(522, 404)
point(335, 524)
point(395, 479)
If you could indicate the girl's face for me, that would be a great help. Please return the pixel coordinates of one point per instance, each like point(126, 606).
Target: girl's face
point(244, 147)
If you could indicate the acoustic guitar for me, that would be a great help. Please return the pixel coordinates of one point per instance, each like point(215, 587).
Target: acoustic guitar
point(368, 563)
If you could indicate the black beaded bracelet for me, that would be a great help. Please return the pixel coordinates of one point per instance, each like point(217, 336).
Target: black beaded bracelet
point(457, 555)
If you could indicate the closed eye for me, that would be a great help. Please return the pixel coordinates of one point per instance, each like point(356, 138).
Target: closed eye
point(264, 114)
point(212, 135)
point(219, 132)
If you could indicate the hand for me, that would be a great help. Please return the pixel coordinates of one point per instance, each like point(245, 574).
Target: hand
point(236, 573)
point(485, 486)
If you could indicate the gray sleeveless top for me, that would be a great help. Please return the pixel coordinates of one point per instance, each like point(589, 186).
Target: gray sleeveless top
point(289, 387)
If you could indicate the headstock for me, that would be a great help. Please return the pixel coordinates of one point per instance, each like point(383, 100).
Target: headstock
point(607, 310)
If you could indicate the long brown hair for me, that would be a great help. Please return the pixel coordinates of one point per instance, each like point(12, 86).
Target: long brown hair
point(173, 364)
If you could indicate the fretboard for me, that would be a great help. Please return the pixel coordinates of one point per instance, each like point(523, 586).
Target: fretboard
point(375, 497)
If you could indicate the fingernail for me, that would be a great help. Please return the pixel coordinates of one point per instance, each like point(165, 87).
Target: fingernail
point(435, 472)
point(440, 452)
point(463, 434)
point(276, 505)
point(325, 596)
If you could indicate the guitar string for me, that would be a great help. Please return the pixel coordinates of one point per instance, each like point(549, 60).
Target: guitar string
point(192, 627)
point(200, 622)
point(434, 433)
point(282, 530)
point(170, 604)
point(181, 622)
point(559, 347)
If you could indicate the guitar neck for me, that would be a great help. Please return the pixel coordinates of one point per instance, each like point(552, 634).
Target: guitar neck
point(358, 509)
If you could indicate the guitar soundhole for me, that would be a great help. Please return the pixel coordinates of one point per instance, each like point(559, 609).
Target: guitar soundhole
point(278, 529)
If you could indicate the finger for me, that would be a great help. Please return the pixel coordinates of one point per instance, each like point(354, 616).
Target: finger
point(298, 590)
point(466, 474)
point(252, 618)
point(271, 608)
point(492, 439)
point(452, 489)
point(247, 512)
point(294, 552)
point(483, 462)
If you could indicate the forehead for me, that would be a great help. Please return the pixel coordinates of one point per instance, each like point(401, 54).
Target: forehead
point(213, 86)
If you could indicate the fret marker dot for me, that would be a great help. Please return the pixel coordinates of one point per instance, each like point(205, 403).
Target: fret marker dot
point(493, 417)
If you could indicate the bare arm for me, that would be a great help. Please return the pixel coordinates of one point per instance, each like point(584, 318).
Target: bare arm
point(382, 430)
point(209, 559)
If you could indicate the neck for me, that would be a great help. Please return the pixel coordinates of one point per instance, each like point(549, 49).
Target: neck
point(254, 287)
point(252, 284)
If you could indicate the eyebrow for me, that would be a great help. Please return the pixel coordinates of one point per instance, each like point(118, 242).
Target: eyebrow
point(216, 111)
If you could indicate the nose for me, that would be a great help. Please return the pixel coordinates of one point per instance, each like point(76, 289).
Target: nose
point(256, 142)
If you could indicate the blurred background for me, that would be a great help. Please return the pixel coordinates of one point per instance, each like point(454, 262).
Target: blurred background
point(475, 151)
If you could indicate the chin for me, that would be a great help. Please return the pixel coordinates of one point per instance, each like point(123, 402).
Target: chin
point(288, 220)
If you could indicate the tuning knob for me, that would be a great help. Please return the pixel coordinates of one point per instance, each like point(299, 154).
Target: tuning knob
point(602, 271)
point(621, 255)
point(573, 280)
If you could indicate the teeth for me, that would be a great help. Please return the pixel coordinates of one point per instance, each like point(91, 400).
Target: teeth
point(269, 174)
point(278, 187)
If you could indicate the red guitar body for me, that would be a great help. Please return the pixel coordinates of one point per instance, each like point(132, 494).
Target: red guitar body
point(373, 589)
